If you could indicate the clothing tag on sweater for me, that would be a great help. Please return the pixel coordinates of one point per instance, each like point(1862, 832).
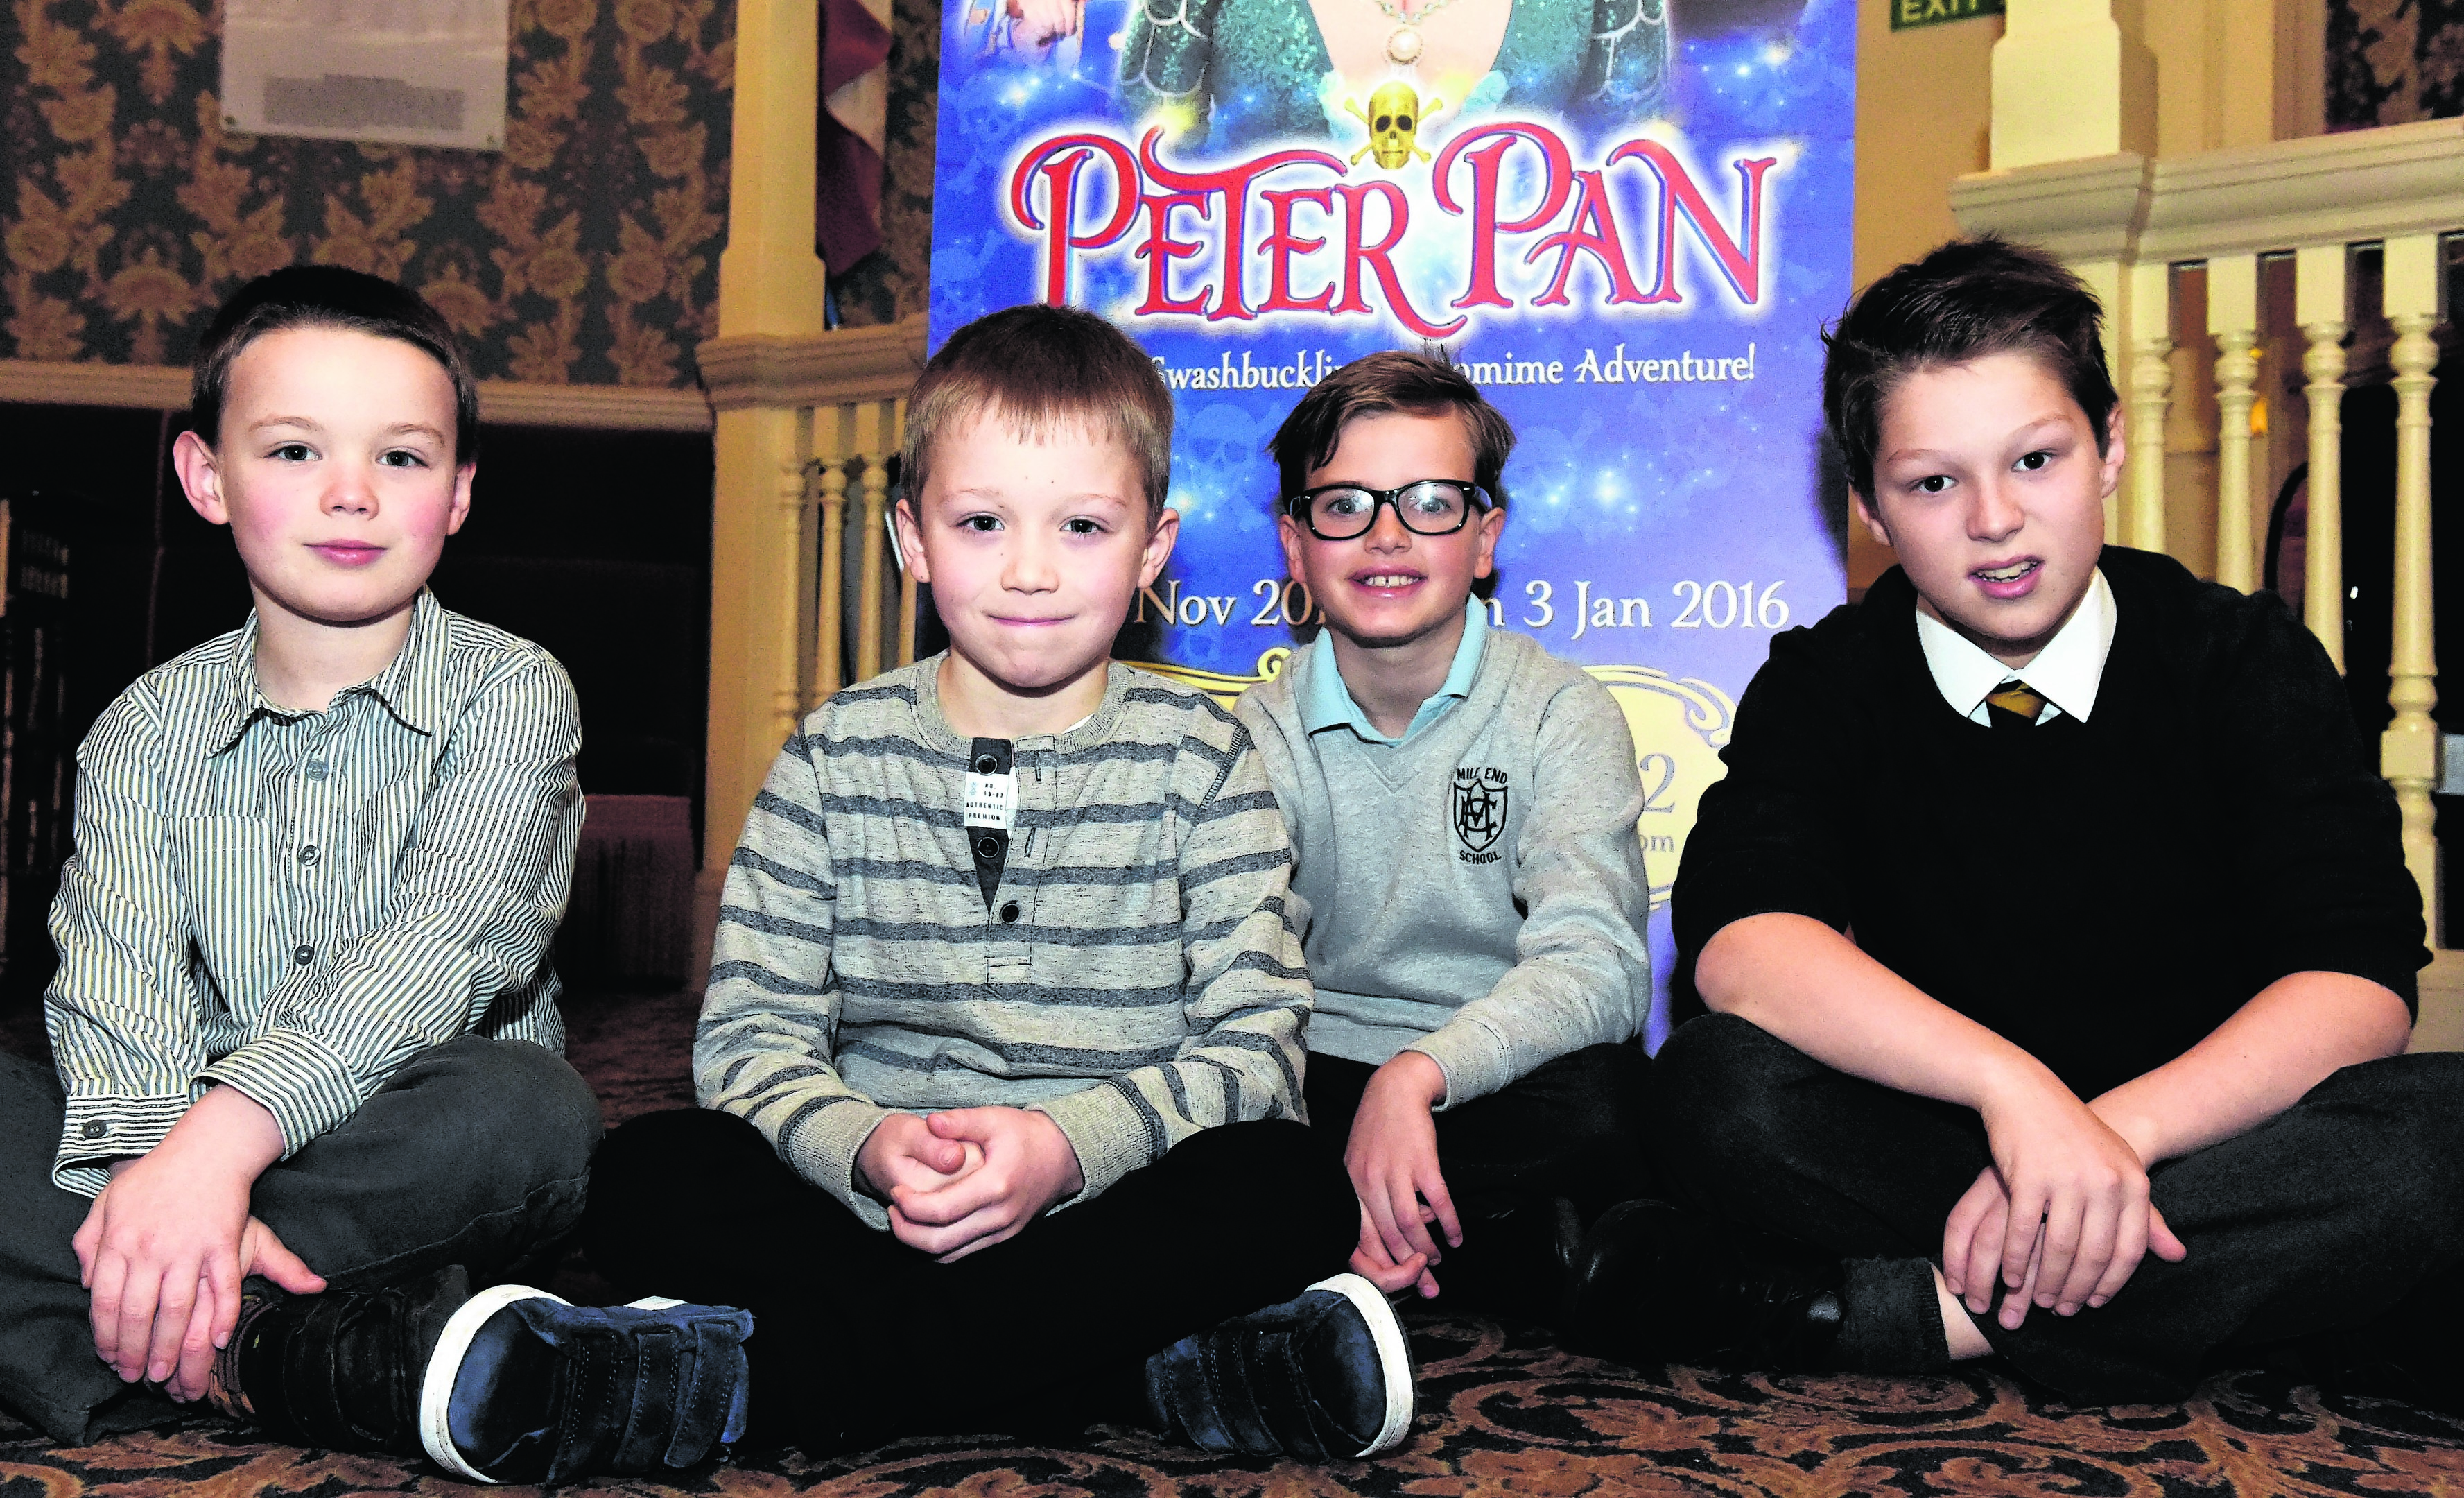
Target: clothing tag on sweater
point(992, 789)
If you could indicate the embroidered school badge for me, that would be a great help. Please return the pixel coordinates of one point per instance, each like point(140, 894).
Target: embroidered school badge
point(1480, 812)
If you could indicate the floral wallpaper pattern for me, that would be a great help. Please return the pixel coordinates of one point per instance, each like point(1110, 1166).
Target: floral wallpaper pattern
point(2391, 61)
point(586, 251)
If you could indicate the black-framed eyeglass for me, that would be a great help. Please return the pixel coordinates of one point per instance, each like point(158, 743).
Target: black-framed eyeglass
point(1426, 507)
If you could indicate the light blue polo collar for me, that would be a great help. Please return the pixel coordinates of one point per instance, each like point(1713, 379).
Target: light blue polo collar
point(1330, 703)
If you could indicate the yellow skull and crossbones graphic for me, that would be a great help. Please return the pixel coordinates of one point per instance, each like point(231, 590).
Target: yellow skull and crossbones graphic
point(1394, 120)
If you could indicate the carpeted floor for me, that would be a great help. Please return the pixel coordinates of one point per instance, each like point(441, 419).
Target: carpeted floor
point(1502, 1411)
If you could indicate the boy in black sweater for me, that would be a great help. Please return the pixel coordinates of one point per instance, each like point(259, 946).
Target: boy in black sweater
point(2055, 937)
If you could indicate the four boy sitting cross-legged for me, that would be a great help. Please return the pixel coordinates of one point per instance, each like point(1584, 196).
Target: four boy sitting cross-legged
point(2056, 938)
point(1001, 1058)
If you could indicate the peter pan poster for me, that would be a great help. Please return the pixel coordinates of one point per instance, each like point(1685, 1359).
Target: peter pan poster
point(1626, 219)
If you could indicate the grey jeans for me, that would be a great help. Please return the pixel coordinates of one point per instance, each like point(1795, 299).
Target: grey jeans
point(475, 1152)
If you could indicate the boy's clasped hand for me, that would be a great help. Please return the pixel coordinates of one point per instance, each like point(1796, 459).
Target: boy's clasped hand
point(966, 1178)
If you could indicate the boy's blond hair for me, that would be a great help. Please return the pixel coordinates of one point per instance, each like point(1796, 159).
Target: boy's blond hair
point(1039, 368)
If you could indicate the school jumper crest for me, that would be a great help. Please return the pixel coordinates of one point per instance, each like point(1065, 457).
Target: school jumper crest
point(1479, 806)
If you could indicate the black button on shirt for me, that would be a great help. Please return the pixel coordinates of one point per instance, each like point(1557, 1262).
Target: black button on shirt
point(303, 953)
point(1010, 913)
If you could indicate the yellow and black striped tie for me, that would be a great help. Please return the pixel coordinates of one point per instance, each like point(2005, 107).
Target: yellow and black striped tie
point(2013, 704)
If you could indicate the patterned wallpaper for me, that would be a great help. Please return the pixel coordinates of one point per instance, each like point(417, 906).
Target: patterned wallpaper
point(585, 252)
point(2391, 61)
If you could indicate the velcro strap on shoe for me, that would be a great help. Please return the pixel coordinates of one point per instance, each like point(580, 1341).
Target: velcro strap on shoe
point(642, 1389)
point(716, 1389)
point(1283, 1404)
point(1236, 1391)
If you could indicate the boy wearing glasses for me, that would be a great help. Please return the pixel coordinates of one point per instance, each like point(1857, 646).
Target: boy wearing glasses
point(1461, 807)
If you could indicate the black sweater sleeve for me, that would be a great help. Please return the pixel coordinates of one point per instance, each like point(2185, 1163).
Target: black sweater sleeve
point(2320, 841)
point(1769, 835)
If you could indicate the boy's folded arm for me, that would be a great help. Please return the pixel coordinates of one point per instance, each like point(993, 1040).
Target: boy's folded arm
point(124, 1031)
point(1247, 996)
point(2320, 853)
point(472, 914)
point(764, 1049)
point(1582, 973)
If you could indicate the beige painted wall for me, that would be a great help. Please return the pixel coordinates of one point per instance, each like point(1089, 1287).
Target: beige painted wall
point(1924, 111)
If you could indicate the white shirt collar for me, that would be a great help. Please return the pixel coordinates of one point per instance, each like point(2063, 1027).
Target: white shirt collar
point(2066, 672)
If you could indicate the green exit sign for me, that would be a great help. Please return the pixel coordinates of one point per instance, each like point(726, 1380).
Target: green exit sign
point(1906, 13)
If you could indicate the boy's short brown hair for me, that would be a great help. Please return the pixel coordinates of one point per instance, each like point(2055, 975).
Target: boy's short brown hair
point(1962, 301)
point(328, 296)
point(1424, 383)
point(1041, 368)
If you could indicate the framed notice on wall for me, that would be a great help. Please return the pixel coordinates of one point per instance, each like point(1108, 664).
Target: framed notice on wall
point(1627, 219)
point(416, 72)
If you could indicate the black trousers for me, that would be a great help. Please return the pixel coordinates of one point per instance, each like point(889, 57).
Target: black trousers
point(2322, 1217)
point(859, 1339)
point(1571, 1128)
point(475, 1152)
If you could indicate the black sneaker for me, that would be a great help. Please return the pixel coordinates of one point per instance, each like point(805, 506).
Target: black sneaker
point(508, 1385)
point(1323, 1378)
point(1654, 1285)
point(524, 1387)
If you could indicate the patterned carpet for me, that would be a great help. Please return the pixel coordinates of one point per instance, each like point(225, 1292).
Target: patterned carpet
point(1503, 1412)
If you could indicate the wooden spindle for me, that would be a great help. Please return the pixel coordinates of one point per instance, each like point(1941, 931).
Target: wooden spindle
point(2151, 381)
point(908, 602)
point(2233, 317)
point(2409, 753)
point(829, 649)
point(2318, 306)
point(872, 442)
point(795, 498)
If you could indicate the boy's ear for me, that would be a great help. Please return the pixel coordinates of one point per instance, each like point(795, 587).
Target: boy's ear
point(1159, 544)
point(1289, 531)
point(911, 540)
point(1492, 525)
point(201, 477)
point(461, 510)
point(2110, 478)
point(1873, 519)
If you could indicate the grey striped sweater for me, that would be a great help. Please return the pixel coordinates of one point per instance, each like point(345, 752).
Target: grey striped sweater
point(1148, 985)
point(297, 903)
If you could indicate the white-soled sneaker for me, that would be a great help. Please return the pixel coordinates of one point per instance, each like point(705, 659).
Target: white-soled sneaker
point(1327, 1375)
point(524, 1387)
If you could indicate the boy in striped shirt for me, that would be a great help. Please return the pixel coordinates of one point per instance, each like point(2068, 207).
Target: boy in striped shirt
point(309, 1086)
point(1001, 1059)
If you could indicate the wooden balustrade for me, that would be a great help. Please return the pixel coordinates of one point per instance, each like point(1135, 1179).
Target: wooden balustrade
point(855, 441)
point(2133, 223)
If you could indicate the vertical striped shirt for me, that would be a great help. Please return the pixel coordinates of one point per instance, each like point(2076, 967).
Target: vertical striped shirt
point(1134, 976)
point(295, 903)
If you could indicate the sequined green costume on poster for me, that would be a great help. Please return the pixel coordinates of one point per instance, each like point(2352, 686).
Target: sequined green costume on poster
point(1252, 69)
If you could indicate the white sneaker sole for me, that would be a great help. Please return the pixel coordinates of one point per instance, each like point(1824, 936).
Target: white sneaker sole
point(1393, 1357)
point(436, 1385)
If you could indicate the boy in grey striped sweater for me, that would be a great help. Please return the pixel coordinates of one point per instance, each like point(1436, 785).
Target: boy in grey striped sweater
point(309, 1086)
point(1000, 1059)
